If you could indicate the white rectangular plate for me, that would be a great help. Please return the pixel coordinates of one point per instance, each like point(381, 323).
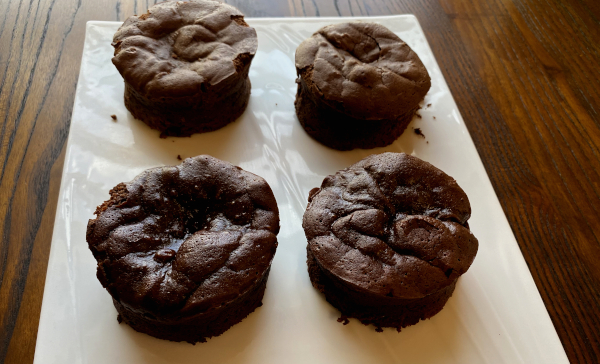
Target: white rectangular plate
point(496, 314)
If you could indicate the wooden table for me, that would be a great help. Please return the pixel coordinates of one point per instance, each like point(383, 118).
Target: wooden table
point(524, 73)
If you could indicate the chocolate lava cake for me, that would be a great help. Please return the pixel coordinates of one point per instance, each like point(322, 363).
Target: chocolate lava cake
point(359, 85)
point(185, 251)
point(185, 65)
point(387, 239)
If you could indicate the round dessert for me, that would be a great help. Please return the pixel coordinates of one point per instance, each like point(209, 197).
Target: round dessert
point(359, 85)
point(185, 251)
point(387, 239)
point(185, 65)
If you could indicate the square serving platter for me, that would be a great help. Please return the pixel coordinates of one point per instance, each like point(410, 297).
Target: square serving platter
point(496, 314)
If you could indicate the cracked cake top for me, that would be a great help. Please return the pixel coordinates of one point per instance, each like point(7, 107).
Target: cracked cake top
point(391, 225)
point(178, 48)
point(186, 239)
point(363, 70)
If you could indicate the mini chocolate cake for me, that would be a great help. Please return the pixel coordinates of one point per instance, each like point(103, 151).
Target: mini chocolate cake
point(359, 85)
point(387, 239)
point(185, 65)
point(185, 251)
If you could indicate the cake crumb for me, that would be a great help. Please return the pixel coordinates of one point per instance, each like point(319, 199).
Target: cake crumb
point(418, 115)
point(114, 117)
point(343, 319)
point(179, 157)
point(434, 118)
point(419, 132)
point(428, 105)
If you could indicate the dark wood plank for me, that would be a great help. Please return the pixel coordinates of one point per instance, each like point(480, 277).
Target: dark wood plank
point(524, 74)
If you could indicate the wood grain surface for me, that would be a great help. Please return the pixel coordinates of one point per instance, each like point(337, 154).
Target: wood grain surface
point(524, 73)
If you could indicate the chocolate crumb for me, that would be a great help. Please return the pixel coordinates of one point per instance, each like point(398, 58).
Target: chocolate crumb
point(114, 117)
point(434, 118)
point(419, 132)
point(179, 157)
point(428, 105)
point(379, 329)
point(418, 115)
point(343, 319)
